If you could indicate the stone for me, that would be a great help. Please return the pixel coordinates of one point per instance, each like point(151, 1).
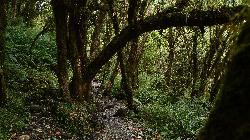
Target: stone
point(24, 137)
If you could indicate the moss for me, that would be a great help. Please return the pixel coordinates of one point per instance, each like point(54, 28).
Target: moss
point(230, 118)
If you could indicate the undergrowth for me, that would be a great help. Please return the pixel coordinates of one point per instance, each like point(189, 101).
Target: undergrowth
point(28, 72)
point(76, 118)
point(165, 113)
point(169, 117)
point(25, 74)
point(13, 117)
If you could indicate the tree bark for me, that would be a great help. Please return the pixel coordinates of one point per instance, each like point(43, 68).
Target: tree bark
point(14, 8)
point(108, 87)
point(133, 59)
point(124, 81)
point(110, 82)
point(77, 47)
point(170, 59)
point(61, 17)
point(73, 25)
point(219, 73)
point(3, 24)
point(205, 73)
point(194, 58)
point(212, 58)
point(95, 38)
point(133, 62)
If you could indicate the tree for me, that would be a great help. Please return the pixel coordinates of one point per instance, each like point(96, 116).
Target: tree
point(3, 24)
point(229, 118)
point(171, 17)
point(60, 12)
point(120, 58)
point(159, 21)
point(71, 33)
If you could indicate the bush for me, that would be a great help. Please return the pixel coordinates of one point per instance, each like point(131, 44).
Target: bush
point(170, 117)
point(181, 119)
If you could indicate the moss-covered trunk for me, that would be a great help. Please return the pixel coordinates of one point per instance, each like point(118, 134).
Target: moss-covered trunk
point(230, 118)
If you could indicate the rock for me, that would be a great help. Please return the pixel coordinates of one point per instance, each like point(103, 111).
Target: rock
point(24, 137)
point(122, 112)
point(136, 138)
point(109, 106)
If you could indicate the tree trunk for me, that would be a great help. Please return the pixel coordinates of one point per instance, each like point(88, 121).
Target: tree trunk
point(82, 48)
point(2, 89)
point(108, 87)
point(133, 59)
point(194, 58)
point(95, 38)
point(133, 62)
point(124, 82)
point(218, 74)
point(61, 17)
point(14, 8)
point(77, 47)
point(3, 24)
point(75, 85)
point(207, 64)
point(229, 119)
point(170, 59)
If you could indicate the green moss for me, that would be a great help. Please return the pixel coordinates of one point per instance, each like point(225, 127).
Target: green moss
point(230, 118)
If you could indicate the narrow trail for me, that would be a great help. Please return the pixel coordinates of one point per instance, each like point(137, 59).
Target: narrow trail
point(112, 116)
point(110, 119)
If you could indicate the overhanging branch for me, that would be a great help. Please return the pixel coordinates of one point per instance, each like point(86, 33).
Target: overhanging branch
point(160, 21)
point(193, 18)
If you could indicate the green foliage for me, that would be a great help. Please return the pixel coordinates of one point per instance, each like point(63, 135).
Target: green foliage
point(171, 117)
point(26, 72)
point(182, 119)
point(75, 118)
point(164, 108)
point(152, 57)
point(26, 64)
point(179, 120)
point(14, 117)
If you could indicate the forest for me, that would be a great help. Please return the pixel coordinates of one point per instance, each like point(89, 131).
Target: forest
point(124, 69)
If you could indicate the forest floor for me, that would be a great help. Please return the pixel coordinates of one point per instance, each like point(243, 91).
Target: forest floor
point(110, 116)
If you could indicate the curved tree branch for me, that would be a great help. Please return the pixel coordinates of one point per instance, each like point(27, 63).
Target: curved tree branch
point(160, 21)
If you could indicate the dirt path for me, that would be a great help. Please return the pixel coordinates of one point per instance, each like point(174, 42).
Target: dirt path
point(110, 118)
